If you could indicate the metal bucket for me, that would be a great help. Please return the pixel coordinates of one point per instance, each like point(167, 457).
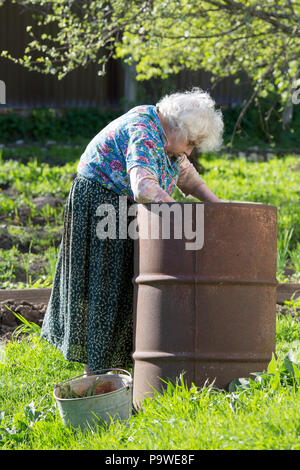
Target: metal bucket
point(210, 312)
point(93, 410)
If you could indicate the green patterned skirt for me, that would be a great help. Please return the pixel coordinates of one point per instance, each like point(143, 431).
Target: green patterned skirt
point(89, 316)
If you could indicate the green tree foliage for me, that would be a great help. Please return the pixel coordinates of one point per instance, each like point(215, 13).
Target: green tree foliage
point(162, 37)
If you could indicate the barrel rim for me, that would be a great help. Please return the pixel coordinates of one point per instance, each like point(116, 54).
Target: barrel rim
point(183, 278)
point(69, 400)
point(219, 203)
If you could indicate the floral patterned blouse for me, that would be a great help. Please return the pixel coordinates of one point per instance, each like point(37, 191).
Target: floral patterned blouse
point(133, 139)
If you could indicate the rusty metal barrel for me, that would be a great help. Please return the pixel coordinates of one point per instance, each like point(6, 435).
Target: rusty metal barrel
point(209, 312)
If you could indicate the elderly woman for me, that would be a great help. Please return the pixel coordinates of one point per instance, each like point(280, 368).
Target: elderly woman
point(142, 155)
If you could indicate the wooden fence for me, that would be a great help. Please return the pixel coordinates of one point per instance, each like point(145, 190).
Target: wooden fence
point(35, 296)
point(83, 87)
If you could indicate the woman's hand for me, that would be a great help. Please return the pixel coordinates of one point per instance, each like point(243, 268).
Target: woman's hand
point(203, 193)
point(145, 186)
point(191, 183)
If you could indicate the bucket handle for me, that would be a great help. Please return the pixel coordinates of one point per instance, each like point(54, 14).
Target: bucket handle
point(98, 371)
point(112, 369)
point(94, 372)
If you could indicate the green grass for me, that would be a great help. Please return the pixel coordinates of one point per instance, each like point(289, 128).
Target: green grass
point(57, 154)
point(27, 270)
point(276, 182)
point(262, 413)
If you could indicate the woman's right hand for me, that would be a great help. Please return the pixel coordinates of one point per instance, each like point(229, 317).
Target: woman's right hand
point(145, 186)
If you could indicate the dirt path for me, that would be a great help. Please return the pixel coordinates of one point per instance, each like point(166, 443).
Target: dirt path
point(9, 322)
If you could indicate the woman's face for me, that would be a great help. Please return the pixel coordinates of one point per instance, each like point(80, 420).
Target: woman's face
point(177, 145)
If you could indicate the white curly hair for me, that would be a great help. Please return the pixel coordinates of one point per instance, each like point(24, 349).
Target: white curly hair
point(194, 116)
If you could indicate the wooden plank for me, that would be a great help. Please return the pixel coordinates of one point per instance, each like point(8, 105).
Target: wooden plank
point(284, 292)
point(37, 296)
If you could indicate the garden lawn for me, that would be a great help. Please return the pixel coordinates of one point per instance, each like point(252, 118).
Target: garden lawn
point(30, 237)
point(262, 413)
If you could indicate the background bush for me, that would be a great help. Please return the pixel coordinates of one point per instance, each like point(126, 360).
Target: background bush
point(50, 124)
point(64, 125)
